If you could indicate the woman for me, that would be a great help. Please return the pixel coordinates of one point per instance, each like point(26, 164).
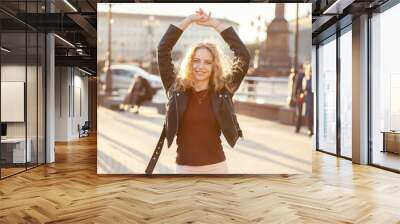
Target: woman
point(200, 98)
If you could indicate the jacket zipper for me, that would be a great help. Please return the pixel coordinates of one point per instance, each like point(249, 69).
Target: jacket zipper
point(232, 113)
point(177, 117)
point(234, 124)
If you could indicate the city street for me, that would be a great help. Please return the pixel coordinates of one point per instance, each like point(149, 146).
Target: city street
point(126, 142)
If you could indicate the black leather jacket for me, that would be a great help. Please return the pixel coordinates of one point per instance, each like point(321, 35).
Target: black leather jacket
point(221, 101)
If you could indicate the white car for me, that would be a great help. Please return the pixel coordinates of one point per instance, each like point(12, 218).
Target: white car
point(124, 74)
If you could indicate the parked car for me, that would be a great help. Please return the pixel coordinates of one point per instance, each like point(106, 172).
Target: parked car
point(124, 74)
point(123, 77)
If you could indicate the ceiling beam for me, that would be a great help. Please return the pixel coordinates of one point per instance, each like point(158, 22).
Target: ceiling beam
point(82, 61)
point(321, 22)
point(84, 24)
point(338, 6)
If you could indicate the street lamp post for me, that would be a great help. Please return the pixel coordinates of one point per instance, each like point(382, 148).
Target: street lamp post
point(252, 85)
point(108, 90)
point(151, 22)
point(258, 26)
point(296, 43)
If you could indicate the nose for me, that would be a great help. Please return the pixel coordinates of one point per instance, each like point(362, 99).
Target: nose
point(202, 66)
point(198, 66)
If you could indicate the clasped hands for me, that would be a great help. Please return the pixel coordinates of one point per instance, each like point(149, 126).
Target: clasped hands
point(203, 19)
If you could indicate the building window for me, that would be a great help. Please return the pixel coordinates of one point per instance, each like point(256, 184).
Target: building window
point(22, 78)
point(385, 89)
point(327, 96)
point(346, 94)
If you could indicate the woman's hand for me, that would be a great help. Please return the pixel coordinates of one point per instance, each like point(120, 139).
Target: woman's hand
point(207, 20)
point(199, 16)
point(203, 19)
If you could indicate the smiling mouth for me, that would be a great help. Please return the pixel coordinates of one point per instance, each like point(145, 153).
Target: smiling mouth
point(200, 73)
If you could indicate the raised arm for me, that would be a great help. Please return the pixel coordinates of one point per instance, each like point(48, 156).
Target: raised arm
point(165, 46)
point(165, 65)
point(241, 58)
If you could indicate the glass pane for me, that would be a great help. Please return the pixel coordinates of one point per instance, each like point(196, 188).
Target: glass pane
point(327, 97)
point(385, 89)
point(13, 86)
point(346, 94)
point(22, 67)
point(41, 98)
point(31, 97)
point(17, 6)
point(31, 85)
point(313, 78)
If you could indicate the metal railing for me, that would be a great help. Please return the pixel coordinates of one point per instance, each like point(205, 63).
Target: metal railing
point(263, 90)
point(260, 90)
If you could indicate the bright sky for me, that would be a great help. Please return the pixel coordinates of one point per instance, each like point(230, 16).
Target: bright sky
point(242, 13)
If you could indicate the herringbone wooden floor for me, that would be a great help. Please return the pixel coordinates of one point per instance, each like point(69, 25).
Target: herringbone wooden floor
point(70, 191)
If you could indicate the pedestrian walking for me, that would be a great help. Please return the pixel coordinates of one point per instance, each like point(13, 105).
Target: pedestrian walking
point(299, 97)
point(308, 99)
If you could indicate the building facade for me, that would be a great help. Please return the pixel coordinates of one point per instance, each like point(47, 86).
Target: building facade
point(135, 36)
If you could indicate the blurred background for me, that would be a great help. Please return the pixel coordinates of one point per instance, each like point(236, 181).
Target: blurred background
point(278, 37)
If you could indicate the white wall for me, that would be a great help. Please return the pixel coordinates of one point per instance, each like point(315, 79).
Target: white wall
point(33, 125)
point(61, 103)
point(80, 109)
point(71, 94)
point(14, 73)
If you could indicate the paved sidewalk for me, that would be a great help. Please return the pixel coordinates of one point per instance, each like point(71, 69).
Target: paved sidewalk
point(126, 142)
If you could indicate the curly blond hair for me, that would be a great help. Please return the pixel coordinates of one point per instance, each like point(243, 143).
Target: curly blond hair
point(220, 74)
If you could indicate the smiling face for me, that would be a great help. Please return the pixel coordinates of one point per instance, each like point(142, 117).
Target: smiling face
point(202, 64)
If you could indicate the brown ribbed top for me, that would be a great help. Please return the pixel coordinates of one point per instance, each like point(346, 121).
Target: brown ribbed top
point(198, 137)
